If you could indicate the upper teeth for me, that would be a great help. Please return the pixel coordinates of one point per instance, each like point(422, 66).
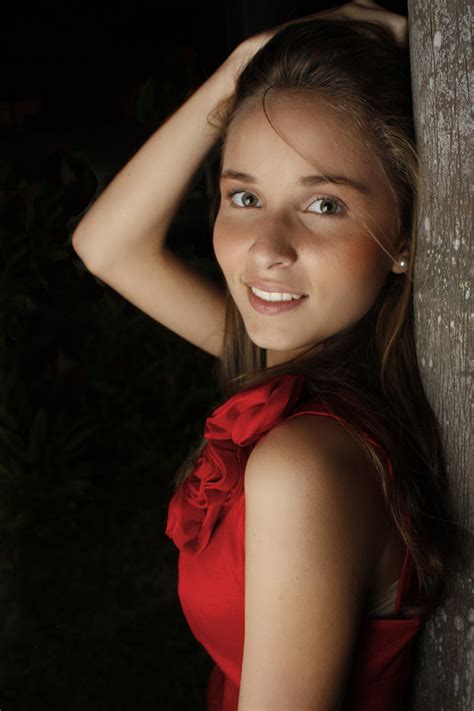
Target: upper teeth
point(273, 295)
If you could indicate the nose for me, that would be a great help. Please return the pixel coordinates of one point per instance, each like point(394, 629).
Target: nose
point(272, 244)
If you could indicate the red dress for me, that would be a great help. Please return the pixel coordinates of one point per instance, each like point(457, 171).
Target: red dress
point(206, 521)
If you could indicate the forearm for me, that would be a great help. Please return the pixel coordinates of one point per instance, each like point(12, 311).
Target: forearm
point(136, 208)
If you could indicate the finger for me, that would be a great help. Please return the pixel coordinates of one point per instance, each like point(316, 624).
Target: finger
point(362, 10)
point(400, 29)
point(366, 3)
point(371, 12)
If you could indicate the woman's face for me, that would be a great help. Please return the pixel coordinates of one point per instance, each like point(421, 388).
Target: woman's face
point(293, 236)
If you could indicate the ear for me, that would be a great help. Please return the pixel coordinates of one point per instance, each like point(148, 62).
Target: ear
point(403, 254)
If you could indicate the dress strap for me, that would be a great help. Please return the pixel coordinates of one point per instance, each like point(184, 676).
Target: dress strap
point(306, 408)
point(404, 581)
point(408, 587)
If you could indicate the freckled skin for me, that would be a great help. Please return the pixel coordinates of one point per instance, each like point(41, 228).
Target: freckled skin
point(334, 259)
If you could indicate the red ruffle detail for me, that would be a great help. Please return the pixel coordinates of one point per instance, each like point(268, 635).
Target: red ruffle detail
point(201, 500)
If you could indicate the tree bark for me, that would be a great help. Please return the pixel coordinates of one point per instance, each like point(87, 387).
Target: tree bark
point(441, 66)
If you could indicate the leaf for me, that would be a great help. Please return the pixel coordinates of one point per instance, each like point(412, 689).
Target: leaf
point(145, 101)
point(75, 442)
point(38, 432)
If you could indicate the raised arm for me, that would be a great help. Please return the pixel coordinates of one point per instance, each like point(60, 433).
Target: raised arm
point(122, 236)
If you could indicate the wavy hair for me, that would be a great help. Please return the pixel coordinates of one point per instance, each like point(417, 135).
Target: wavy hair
point(359, 71)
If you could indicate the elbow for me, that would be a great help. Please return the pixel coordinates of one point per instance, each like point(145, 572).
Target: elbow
point(78, 242)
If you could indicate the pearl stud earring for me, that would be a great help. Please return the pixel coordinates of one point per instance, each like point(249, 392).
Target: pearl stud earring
point(403, 263)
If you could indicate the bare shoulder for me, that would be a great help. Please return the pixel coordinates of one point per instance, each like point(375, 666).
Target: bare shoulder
point(312, 537)
point(317, 455)
point(309, 470)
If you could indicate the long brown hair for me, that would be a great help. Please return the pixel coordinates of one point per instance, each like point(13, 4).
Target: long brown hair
point(359, 70)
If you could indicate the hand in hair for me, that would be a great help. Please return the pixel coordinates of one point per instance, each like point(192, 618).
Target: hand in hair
point(365, 10)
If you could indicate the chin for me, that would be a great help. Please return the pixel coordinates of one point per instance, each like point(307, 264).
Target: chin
point(271, 338)
point(275, 344)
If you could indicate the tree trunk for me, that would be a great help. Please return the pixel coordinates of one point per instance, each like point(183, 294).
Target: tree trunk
point(440, 44)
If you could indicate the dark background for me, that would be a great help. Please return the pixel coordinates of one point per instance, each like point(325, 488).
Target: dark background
point(100, 78)
point(99, 404)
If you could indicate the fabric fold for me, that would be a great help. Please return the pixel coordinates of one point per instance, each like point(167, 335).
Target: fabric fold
point(203, 497)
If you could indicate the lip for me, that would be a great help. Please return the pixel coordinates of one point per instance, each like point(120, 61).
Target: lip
point(273, 287)
point(272, 308)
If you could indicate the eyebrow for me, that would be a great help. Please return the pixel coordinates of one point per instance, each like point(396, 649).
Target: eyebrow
point(304, 181)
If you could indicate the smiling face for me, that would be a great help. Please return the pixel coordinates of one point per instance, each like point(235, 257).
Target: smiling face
point(333, 242)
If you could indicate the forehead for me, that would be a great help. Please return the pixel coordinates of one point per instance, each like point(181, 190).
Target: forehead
point(302, 131)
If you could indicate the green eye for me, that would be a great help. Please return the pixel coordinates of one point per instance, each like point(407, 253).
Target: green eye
point(245, 199)
point(328, 206)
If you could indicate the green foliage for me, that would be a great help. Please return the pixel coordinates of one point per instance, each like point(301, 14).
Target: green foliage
point(99, 404)
point(168, 85)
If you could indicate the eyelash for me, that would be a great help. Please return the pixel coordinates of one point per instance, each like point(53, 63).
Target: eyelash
point(230, 193)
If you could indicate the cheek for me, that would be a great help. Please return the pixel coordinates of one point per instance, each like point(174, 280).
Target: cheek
point(373, 265)
point(227, 244)
point(362, 257)
point(363, 272)
point(349, 276)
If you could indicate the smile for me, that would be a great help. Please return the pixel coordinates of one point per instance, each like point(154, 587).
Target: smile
point(273, 295)
point(272, 303)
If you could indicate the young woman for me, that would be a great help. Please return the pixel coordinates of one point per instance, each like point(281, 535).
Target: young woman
point(313, 519)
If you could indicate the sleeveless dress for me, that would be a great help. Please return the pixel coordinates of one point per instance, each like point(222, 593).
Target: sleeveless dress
point(206, 521)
